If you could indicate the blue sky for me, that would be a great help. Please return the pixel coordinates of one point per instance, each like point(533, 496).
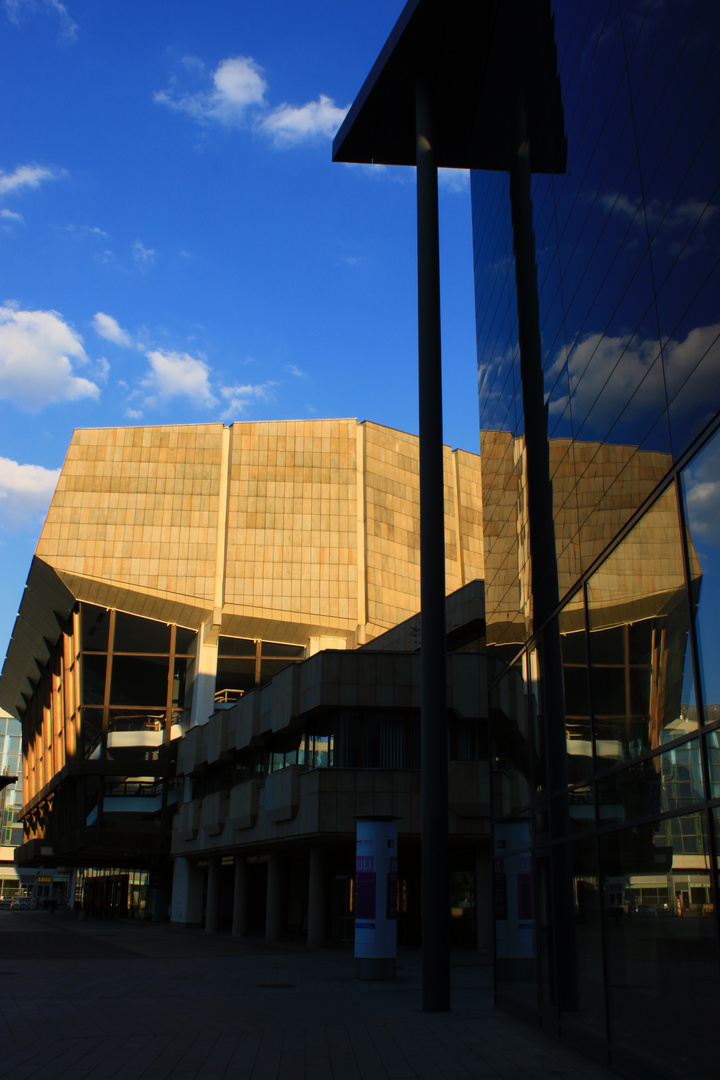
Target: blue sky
point(176, 245)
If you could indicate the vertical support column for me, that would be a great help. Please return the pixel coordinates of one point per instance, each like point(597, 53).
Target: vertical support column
point(212, 904)
point(187, 893)
point(275, 897)
point(433, 690)
point(203, 672)
point(241, 911)
point(317, 898)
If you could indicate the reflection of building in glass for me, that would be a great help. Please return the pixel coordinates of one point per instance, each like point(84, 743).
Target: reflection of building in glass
point(604, 725)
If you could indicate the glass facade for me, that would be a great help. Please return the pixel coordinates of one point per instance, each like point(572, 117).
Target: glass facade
point(10, 803)
point(605, 719)
point(101, 733)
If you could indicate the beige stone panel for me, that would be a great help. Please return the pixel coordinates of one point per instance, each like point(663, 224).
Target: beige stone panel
point(136, 486)
point(296, 485)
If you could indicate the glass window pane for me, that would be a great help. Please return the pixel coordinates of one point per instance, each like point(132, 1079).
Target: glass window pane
point(701, 500)
point(581, 948)
point(139, 680)
point(661, 943)
point(511, 742)
point(639, 653)
point(91, 720)
point(273, 648)
point(577, 707)
point(93, 670)
point(236, 647)
point(712, 750)
point(135, 635)
point(669, 781)
point(94, 623)
point(235, 675)
point(184, 642)
point(513, 904)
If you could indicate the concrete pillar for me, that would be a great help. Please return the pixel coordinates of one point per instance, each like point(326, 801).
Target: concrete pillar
point(212, 904)
point(241, 898)
point(187, 893)
point(317, 898)
point(275, 898)
point(202, 672)
point(483, 899)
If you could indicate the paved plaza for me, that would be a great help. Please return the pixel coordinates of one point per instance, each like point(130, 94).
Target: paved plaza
point(140, 1000)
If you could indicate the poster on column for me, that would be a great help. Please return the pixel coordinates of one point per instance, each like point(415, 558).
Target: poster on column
point(376, 899)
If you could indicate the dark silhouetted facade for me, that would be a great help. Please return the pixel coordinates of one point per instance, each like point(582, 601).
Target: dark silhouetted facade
point(605, 723)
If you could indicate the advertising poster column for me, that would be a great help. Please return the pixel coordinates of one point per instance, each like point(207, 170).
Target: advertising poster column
point(376, 899)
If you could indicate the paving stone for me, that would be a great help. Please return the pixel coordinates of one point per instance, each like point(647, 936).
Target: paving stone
point(133, 1001)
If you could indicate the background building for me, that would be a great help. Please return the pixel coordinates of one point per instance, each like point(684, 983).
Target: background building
point(11, 881)
point(606, 789)
point(178, 568)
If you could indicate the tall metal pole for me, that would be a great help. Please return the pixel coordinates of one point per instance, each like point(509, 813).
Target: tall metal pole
point(433, 688)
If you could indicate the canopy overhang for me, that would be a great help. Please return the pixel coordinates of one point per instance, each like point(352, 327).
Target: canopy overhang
point(479, 58)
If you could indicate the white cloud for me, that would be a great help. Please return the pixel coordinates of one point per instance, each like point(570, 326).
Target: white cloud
point(238, 84)
point(606, 372)
point(134, 414)
point(25, 492)
point(237, 99)
point(16, 8)
point(141, 254)
point(293, 369)
point(702, 495)
point(38, 352)
point(110, 329)
point(703, 508)
point(10, 215)
point(288, 125)
point(238, 398)
point(27, 176)
point(176, 374)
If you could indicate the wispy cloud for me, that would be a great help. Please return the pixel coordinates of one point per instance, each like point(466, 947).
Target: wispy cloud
point(239, 398)
point(669, 216)
point(289, 125)
point(25, 493)
point(454, 180)
point(293, 369)
point(612, 376)
point(174, 374)
point(38, 356)
point(16, 9)
point(10, 215)
point(143, 256)
point(236, 97)
point(27, 176)
point(110, 329)
point(91, 230)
